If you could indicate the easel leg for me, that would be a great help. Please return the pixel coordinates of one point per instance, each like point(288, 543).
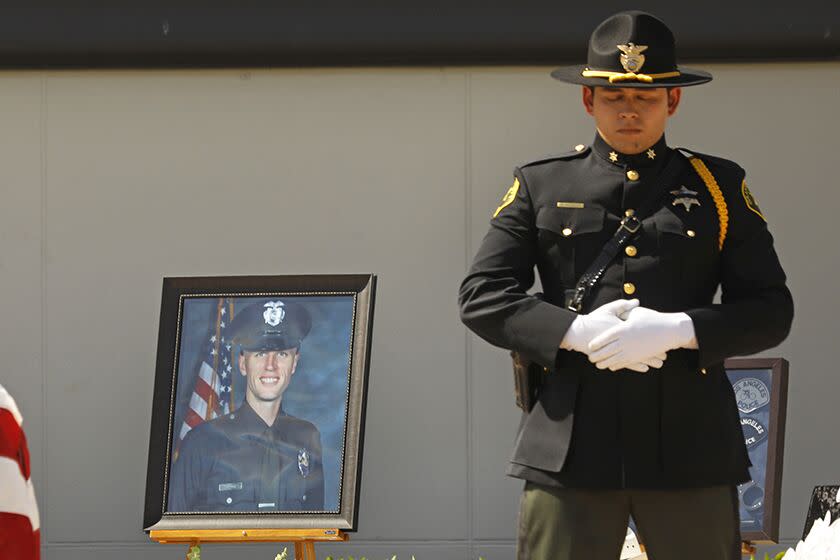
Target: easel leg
point(305, 550)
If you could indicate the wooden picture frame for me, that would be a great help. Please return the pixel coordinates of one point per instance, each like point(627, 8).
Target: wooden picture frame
point(259, 403)
point(760, 386)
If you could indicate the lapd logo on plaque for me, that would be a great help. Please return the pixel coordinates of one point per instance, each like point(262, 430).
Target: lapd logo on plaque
point(754, 432)
point(751, 394)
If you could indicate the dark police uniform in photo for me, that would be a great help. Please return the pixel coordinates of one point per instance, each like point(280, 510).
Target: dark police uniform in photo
point(238, 463)
point(675, 429)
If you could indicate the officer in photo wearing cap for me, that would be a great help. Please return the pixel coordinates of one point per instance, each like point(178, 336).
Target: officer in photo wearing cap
point(258, 458)
point(632, 239)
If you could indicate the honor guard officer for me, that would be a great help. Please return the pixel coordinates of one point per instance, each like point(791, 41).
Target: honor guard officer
point(635, 415)
point(258, 458)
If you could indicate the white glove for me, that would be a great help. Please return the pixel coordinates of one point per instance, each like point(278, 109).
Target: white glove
point(586, 327)
point(645, 333)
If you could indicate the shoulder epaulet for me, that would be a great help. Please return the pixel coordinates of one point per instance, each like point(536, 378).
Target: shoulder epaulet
point(712, 160)
point(572, 154)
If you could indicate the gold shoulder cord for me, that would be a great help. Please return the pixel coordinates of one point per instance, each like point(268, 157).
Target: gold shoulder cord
point(717, 195)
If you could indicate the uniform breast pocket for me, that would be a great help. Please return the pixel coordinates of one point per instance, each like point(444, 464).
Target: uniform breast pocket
point(688, 249)
point(569, 240)
point(231, 494)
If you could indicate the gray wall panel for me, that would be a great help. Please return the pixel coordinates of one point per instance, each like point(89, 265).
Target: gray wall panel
point(262, 173)
point(20, 258)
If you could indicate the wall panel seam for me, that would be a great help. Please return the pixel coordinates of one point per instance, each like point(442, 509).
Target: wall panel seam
point(467, 354)
point(43, 172)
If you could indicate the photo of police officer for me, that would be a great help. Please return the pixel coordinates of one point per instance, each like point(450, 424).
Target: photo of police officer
point(266, 454)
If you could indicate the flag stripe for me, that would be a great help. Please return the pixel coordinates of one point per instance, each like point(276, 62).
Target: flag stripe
point(17, 539)
point(7, 402)
point(203, 390)
point(18, 495)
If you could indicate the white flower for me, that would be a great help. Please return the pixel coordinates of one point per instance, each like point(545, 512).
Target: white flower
point(822, 542)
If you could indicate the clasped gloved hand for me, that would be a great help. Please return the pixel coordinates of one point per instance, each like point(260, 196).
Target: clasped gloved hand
point(644, 333)
point(585, 328)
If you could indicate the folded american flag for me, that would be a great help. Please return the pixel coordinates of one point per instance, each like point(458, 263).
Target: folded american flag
point(20, 527)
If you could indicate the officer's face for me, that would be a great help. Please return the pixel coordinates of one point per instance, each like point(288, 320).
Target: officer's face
point(631, 120)
point(268, 372)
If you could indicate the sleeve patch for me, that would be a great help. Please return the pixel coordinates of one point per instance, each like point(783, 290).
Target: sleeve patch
point(750, 200)
point(509, 197)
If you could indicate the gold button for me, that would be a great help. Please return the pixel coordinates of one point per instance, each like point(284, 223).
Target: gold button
point(629, 212)
point(629, 289)
point(703, 371)
point(633, 175)
point(579, 148)
point(567, 232)
point(630, 250)
point(690, 233)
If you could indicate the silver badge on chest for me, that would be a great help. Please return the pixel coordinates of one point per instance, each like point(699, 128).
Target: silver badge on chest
point(685, 197)
point(303, 462)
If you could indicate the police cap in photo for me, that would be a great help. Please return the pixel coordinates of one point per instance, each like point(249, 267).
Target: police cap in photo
point(271, 324)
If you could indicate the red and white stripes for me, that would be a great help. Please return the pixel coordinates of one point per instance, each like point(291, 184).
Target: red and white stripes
point(20, 537)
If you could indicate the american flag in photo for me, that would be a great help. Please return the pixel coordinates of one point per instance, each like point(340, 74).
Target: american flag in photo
point(20, 526)
point(212, 395)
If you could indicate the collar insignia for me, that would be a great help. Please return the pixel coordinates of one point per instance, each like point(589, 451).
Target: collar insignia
point(686, 197)
point(632, 58)
point(613, 157)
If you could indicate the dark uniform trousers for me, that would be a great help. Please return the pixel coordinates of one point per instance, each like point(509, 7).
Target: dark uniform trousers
point(585, 524)
point(672, 430)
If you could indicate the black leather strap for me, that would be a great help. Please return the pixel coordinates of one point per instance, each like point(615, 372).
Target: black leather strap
point(628, 229)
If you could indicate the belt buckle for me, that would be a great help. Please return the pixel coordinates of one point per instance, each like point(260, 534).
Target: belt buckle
point(631, 224)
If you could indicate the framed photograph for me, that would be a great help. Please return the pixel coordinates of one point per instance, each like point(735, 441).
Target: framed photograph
point(760, 386)
point(259, 402)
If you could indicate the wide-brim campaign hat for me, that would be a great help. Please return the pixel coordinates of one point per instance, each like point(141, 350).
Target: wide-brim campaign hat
point(632, 49)
point(273, 324)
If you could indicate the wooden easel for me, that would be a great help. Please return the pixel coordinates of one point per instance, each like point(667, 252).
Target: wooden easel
point(747, 548)
point(304, 539)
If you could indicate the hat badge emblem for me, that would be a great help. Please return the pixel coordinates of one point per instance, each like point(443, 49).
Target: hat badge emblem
point(274, 313)
point(632, 58)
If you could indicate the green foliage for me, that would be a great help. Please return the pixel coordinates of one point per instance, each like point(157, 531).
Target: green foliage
point(194, 553)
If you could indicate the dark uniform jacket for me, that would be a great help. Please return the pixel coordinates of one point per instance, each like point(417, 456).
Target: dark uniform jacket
point(237, 462)
point(673, 427)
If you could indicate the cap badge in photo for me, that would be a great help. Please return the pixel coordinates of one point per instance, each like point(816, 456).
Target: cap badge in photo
point(274, 313)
